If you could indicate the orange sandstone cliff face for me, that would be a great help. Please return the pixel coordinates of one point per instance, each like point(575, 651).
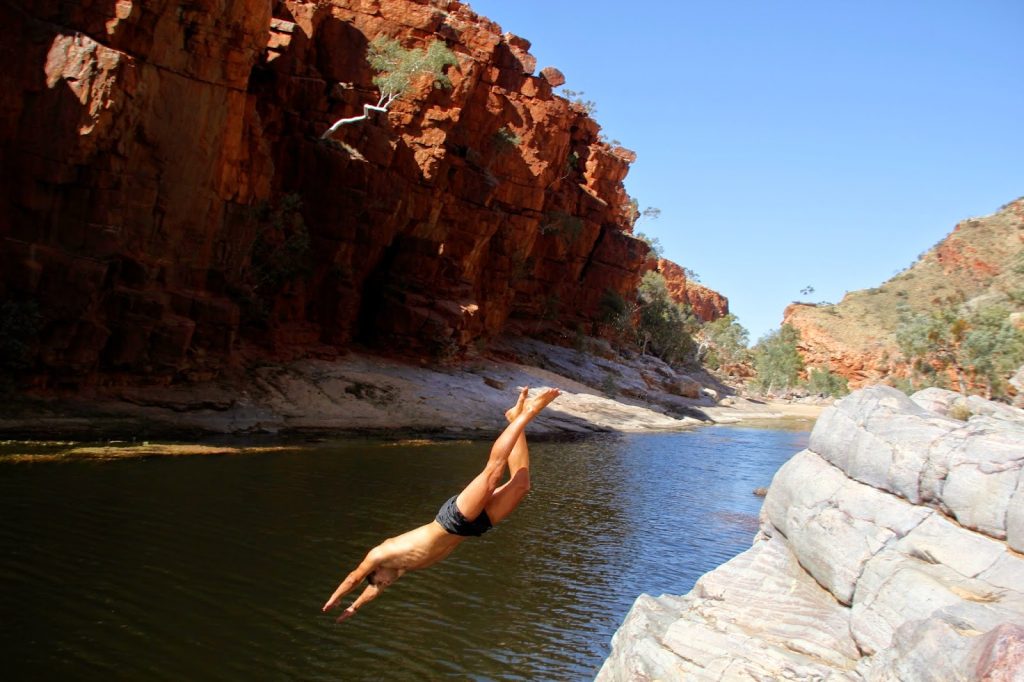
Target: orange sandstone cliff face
point(165, 197)
point(708, 305)
point(863, 356)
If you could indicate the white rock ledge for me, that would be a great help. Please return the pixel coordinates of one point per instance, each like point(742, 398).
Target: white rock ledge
point(888, 551)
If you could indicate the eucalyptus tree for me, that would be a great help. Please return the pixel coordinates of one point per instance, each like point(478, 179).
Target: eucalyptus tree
point(397, 68)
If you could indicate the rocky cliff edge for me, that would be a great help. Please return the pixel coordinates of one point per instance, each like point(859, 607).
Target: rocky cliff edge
point(888, 550)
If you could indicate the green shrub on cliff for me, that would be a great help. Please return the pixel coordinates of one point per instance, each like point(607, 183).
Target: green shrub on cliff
point(653, 243)
point(777, 361)
point(505, 140)
point(280, 252)
point(560, 223)
point(654, 322)
point(663, 326)
point(994, 348)
point(396, 69)
point(279, 255)
point(575, 97)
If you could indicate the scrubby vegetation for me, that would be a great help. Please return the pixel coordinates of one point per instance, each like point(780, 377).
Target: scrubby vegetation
point(280, 254)
point(562, 224)
point(664, 327)
point(978, 346)
point(576, 98)
point(824, 382)
point(724, 342)
point(505, 140)
point(656, 323)
point(19, 326)
point(777, 361)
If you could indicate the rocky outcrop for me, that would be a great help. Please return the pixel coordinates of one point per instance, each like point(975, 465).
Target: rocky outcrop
point(889, 550)
point(708, 305)
point(359, 393)
point(166, 200)
point(856, 338)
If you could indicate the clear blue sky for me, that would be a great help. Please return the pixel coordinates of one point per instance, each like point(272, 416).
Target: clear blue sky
point(792, 143)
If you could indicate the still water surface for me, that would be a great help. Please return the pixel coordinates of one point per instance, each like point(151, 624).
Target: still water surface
point(214, 568)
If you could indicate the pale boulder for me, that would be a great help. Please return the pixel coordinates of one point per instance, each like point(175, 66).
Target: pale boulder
point(878, 436)
point(835, 524)
point(888, 551)
point(756, 617)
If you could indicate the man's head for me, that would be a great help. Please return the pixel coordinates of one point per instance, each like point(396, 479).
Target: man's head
point(382, 577)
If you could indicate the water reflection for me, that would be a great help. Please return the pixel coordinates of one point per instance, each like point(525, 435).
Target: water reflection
point(215, 568)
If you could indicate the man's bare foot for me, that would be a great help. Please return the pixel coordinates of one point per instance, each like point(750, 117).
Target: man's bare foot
point(538, 402)
point(513, 412)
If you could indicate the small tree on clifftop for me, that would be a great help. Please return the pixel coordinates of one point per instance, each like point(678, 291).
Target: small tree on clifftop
point(396, 67)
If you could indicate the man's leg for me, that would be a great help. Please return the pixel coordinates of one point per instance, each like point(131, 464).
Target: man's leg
point(507, 497)
point(474, 498)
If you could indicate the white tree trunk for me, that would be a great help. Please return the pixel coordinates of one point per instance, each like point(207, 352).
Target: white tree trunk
point(367, 108)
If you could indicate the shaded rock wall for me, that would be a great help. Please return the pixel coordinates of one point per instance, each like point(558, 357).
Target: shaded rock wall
point(889, 550)
point(165, 197)
point(130, 147)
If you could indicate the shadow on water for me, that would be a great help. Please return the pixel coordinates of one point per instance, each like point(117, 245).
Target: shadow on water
point(215, 568)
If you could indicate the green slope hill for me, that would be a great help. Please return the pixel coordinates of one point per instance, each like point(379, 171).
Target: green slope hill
point(980, 262)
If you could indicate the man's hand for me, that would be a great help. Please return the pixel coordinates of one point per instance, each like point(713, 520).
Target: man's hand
point(368, 564)
point(344, 588)
point(369, 594)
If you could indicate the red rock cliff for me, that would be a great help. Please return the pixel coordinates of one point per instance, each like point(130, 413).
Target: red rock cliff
point(164, 194)
point(708, 305)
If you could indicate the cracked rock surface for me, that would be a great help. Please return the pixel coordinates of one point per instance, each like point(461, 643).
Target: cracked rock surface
point(888, 550)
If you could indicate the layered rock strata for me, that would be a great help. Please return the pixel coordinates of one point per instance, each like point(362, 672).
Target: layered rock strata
point(889, 550)
point(165, 194)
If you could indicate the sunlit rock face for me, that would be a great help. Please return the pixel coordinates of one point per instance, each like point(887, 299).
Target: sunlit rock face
point(166, 199)
point(889, 550)
point(707, 304)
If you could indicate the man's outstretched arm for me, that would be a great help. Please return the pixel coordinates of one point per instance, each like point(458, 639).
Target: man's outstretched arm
point(371, 562)
point(369, 594)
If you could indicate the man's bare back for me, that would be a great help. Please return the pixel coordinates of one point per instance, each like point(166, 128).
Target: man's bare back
point(482, 503)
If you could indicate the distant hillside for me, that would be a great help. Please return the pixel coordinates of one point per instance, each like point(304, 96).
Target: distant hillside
point(979, 261)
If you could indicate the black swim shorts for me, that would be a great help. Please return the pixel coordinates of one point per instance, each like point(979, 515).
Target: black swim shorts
point(452, 520)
